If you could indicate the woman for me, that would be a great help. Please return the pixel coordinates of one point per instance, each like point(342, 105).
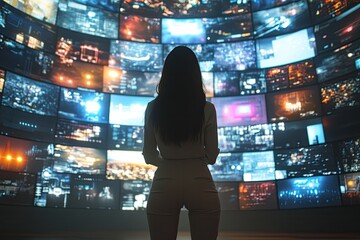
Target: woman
point(180, 138)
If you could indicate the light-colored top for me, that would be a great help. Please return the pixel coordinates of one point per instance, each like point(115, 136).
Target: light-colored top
point(155, 149)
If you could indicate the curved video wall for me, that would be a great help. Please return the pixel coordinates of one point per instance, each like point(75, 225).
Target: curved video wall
point(76, 76)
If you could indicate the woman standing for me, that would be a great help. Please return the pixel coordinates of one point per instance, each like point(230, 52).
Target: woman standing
point(180, 138)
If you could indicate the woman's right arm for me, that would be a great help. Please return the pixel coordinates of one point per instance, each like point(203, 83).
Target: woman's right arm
point(150, 151)
point(211, 136)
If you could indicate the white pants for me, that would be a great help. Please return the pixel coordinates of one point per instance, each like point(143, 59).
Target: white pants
point(179, 183)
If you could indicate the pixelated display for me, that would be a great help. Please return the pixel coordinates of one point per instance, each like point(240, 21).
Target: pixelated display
point(350, 188)
point(322, 191)
point(273, 51)
point(43, 10)
point(298, 133)
point(246, 138)
point(305, 162)
point(125, 137)
point(280, 20)
point(139, 29)
point(341, 95)
point(259, 195)
point(348, 154)
point(338, 31)
point(291, 76)
point(128, 165)
point(134, 195)
point(26, 30)
point(18, 155)
point(239, 111)
point(30, 96)
point(94, 193)
point(293, 105)
point(79, 160)
point(17, 188)
point(86, 19)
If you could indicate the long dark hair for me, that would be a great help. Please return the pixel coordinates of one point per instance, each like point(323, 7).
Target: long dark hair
point(178, 112)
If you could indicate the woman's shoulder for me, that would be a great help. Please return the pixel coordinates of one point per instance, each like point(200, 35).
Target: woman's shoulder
point(209, 106)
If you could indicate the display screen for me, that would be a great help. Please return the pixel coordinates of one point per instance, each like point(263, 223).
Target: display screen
point(230, 7)
point(73, 46)
point(239, 111)
point(342, 126)
point(258, 166)
point(134, 195)
point(228, 167)
point(291, 76)
point(227, 29)
point(274, 51)
point(21, 124)
point(18, 58)
point(84, 105)
point(321, 191)
point(298, 133)
point(52, 189)
point(341, 95)
point(226, 84)
point(136, 56)
point(246, 138)
point(338, 31)
point(80, 133)
point(305, 162)
point(239, 83)
point(139, 29)
point(252, 82)
point(228, 195)
point(76, 74)
point(323, 9)
point(111, 5)
point(142, 8)
point(258, 195)
point(18, 155)
point(130, 82)
point(294, 105)
point(350, 188)
point(128, 110)
point(183, 31)
point(280, 20)
point(348, 154)
point(87, 19)
point(30, 96)
point(94, 193)
point(234, 56)
point(126, 137)
point(257, 5)
point(40, 9)
point(17, 188)
point(128, 165)
point(79, 160)
point(338, 62)
point(179, 8)
point(26, 30)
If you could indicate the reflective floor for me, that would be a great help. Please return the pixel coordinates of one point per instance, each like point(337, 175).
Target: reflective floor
point(181, 236)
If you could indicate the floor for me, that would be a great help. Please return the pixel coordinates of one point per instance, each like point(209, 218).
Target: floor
point(181, 236)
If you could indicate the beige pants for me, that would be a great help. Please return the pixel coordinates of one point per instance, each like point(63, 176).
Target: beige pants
point(179, 183)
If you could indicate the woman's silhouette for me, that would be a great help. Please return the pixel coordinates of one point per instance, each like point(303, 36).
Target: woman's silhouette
point(181, 139)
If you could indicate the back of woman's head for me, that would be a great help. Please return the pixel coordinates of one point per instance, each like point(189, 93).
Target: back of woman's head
point(179, 107)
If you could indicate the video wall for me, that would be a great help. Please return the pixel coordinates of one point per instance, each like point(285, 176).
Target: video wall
point(76, 77)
